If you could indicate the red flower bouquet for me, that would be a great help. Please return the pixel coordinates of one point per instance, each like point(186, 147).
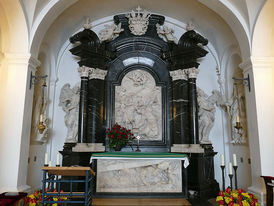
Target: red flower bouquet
point(119, 137)
point(237, 198)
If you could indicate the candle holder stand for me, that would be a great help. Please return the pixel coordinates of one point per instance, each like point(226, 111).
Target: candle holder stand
point(57, 165)
point(46, 165)
point(138, 147)
point(230, 177)
point(236, 182)
point(223, 176)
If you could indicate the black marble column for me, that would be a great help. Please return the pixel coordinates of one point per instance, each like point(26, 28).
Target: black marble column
point(82, 122)
point(193, 105)
point(96, 111)
point(180, 116)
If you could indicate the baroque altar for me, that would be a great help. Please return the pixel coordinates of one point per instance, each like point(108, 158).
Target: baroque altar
point(136, 73)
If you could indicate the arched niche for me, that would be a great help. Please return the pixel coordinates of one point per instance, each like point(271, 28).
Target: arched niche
point(153, 69)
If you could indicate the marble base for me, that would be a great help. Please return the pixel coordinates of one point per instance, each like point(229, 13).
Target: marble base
point(89, 147)
point(187, 148)
point(131, 176)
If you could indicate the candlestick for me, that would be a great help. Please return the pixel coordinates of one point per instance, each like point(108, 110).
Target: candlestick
point(234, 160)
point(138, 149)
point(223, 176)
point(46, 158)
point(222, 160)
point(236, 183)
point(230, 169)
point(230, 177)
point(58, 160)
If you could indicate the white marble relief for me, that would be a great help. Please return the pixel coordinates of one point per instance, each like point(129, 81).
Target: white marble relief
point(138, 105)
point(166, 33)
point(69, 101)
point(138, 21)
point(110, 32)
point(206, 113)
point(139, 176)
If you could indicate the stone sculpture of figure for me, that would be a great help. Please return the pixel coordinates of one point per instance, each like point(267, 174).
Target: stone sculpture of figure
point(110, 32)
point(69, 101)
point(206, 113)
point(166, 33)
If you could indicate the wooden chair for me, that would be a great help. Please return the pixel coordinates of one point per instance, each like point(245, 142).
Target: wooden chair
point(268, 180)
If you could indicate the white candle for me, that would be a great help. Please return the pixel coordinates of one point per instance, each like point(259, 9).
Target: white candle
point(58, 159)
point(222, 160)
point(230, 168)
point(234, 160)
point(46, 158)
point(41, 117)
point(237, 118)
point(49, 163)
point(138, 139)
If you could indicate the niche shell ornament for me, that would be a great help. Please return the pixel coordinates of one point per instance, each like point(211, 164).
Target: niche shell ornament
point(138, 21)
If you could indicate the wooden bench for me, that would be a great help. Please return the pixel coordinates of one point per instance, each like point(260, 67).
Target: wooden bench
point(268, 180)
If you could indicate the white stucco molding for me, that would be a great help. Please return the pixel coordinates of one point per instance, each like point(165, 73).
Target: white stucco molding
point(257, 62)
point(178, 74)
point(23, 59)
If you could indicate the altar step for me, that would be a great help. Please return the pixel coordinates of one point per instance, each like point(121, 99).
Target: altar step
point(140, 202)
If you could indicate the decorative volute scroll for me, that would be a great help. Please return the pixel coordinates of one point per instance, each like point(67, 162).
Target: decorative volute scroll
point(179, 74)
point(138, 21)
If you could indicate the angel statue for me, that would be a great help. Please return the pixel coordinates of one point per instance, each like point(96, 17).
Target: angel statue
point(69, 101)
point(110, 32)
point(206, 113)
point(166, 33)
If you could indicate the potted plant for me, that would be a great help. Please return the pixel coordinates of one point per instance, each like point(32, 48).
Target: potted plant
point(119, 137)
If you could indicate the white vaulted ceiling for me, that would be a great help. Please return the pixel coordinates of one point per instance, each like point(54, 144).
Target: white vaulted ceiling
point(223, 22)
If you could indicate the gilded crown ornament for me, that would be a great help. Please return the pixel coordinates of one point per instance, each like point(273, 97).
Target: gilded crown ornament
point(138, 21)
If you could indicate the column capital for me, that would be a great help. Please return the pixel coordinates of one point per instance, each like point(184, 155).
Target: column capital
point(85, 71)
point(178, 74)
point(98, 74)
point(192, 72)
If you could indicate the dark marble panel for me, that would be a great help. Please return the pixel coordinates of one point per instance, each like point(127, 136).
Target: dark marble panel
point(201, 174)
point(96, 111)
point(180, 112)
point(82, 124)
point(193, 111)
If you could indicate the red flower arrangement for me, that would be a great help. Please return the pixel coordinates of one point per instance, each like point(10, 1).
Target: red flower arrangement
point(119, 137)
point(237, 198)
point(36, 198)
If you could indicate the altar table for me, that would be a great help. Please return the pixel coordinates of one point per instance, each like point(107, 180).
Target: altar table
point(137, 174)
